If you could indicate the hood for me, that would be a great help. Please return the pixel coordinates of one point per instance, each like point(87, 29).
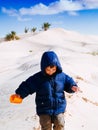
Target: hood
point(50, 58)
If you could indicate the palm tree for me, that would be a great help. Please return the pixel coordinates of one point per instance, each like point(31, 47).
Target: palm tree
point(33, 29)
point(26, 30)
point(46, 26)
point(13, 33)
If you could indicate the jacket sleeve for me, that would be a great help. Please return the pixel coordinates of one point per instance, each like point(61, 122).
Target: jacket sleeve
point(27, 87)
point(69, 82)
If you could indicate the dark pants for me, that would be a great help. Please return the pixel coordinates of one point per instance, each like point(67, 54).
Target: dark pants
point(47, 121)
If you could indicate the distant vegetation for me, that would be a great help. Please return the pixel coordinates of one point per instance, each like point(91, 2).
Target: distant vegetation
point(26, 30)
point(94, 53)
point(13, 36)
point(46, 26)
point(33, 29)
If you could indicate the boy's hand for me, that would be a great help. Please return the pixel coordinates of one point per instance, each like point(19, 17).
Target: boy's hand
point(15, 98)
point(76, 89)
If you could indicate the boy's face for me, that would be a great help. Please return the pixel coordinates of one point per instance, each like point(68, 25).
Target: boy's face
point(50, 70)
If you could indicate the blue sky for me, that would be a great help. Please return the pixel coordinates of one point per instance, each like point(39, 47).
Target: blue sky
point(76, 15)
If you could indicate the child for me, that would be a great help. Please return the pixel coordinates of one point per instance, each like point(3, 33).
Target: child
point(49, 85)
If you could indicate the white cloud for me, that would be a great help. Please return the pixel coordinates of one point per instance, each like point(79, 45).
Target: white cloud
point(37, 9)
point(90, 4)
point(70, 6)
point(10, 12)
point(53, 8)
point(14, 13)
point(60, 6)
point(73, 13)
point(22, 19)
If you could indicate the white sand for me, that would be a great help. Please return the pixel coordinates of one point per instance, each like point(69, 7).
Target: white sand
point(20, 59)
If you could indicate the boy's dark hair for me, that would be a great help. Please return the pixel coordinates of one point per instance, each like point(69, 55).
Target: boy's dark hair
point(51, 66)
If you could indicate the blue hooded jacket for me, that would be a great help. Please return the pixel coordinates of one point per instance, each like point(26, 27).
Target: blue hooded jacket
point(50, 97)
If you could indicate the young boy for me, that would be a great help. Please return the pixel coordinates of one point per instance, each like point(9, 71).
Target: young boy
point(49, 85)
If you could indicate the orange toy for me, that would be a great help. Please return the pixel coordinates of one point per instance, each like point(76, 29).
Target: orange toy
point(15, 98)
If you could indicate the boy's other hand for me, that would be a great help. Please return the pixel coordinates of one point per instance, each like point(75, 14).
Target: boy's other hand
point(15, 98)
point(76, 89)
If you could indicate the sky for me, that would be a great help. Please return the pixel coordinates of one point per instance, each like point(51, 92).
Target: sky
point(75, 15)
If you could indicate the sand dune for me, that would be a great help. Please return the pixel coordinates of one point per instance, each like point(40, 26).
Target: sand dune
point(20, 59)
